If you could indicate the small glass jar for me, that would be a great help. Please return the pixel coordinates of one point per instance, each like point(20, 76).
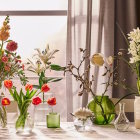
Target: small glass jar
point(82, 126)
point(53, 120)
point(122, 123)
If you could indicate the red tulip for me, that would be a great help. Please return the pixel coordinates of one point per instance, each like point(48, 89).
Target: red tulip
point(51, 101)
point(5, 101)
point(45, 88)
point(36, 101)
point(28, 87)
point(8, 84)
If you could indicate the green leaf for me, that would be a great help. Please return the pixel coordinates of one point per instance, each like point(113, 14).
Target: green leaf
point(56, 67)
point(55, 80)
point(33, 92)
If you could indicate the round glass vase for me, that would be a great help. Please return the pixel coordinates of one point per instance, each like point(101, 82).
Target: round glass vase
point(104, 112)
point(3, 114)
point(25, 121)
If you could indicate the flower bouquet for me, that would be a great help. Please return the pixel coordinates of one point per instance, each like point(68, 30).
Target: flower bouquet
point(10, 63)
point(24, 122)
point(39, 65)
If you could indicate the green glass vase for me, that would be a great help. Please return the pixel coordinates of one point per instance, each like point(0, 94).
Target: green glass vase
point(104, 112)
point(53, 120)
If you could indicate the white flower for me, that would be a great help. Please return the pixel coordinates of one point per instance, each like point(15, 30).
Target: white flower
point(109, 60)
point(97, 59)
point(46, 55)
point(83, 113)
point(37, 67)
point(134, 47)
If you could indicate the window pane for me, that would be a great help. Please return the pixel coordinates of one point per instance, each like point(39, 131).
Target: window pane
point(33, 5)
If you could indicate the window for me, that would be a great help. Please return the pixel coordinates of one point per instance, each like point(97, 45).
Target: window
point(34, 24)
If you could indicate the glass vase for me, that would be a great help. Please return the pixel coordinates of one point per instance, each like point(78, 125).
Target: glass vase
point(103, 113)
point(3, 114)
point(82, 125)
point(41, 110)
point(53, 120)
point(121, 123)
point(137, 111)
point(25, 121)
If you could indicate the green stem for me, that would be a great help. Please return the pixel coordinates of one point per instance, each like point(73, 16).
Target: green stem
point(125, 97)
point(43, 98)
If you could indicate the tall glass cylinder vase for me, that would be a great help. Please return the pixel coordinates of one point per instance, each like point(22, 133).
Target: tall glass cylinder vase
point(42, 109)
point(137, 111)
point(3, 114)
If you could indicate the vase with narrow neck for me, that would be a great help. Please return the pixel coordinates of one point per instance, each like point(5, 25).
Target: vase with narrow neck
point(122, 123)
point(103, 109)
point(137, 111)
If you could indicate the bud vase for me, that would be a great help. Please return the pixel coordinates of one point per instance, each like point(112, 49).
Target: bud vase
point(137, 111)
point(121, 123)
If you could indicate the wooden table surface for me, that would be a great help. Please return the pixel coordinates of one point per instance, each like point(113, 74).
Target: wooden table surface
point(68, 132)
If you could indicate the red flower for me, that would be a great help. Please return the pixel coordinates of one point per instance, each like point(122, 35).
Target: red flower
point(45, 88)
point(12, 46)
point(5, 101)
point(51, 101)
point(8, 84)
point(36, 101)
point(7, 68)
point(28, 87)
point(4, 59)
point(23, 66)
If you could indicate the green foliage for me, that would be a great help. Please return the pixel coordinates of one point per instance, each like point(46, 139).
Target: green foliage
point(57, 67)
point(23, 102)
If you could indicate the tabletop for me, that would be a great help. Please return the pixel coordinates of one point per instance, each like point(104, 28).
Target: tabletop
point(68, 132)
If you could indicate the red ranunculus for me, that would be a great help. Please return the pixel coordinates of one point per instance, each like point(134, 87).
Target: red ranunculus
point(4, 59)
point(8, 84)
point(36, 101)
point(11, 46)
point(5, 101)
point(28, 87)
point(45, 88)
point(7, 68)
point(51, 101)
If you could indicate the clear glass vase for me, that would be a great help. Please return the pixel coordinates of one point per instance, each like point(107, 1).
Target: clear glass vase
point(122, 123)
point(3, 114)
point(25, 122)
point(82, 126)
point(42, 110)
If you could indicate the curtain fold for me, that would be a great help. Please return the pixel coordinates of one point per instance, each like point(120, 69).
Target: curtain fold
point(127, 16)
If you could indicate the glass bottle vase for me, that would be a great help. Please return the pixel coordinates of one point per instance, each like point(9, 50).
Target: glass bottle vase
point(122, 123)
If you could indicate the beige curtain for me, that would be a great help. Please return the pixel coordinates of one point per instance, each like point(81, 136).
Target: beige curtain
point(90, 26)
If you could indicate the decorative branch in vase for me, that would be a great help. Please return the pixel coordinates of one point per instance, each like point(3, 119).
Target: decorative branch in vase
point(102, 107)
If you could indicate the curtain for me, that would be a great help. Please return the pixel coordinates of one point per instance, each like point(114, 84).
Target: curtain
point(127, 14)
point(90, 26)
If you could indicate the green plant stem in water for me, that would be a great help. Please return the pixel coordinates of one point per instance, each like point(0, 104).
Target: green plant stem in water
point(43, 98)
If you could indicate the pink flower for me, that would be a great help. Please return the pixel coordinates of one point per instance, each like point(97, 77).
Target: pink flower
point(12, 46)
point(4, 59)
point(7, 68)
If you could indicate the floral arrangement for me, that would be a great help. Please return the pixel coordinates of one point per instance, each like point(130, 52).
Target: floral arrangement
point(10, 62)
point(86, 83)
point(41, 65)
point(83, 114)
point(23, 101)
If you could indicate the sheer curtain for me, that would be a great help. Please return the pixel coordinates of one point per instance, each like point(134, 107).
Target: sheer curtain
point(90, 26)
